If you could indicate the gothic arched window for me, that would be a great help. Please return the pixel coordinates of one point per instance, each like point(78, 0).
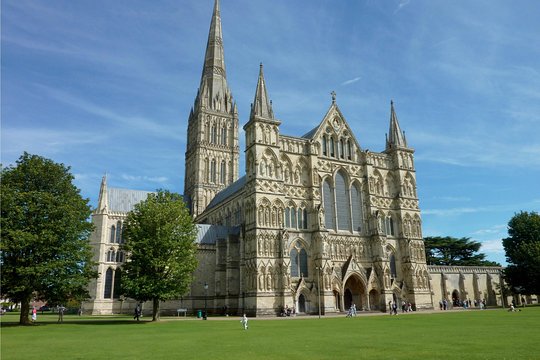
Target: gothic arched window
point(356, 205)
point(332, 147)
point(213, 171)
point(342, 198)
point(119, 232)
point(341, 149)
point(116, 289)
point(113, 234)
point(214, 134)
point(108, 284)
point(393, 273)
point(349, 150)
point(295, 270)
point(287, 217)
point(299, 261)
point(222, 172)
point(224, 136)
point(324, 146)
point(328, 199)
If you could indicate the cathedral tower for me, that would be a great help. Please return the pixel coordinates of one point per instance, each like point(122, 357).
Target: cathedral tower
point(212, 153)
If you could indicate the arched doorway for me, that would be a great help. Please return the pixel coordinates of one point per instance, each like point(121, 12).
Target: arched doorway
point(354, 293)
point(302, 303)
point(455, 298)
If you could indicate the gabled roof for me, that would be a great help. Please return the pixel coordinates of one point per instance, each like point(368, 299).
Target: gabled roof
point(229, 191)
point(209, 234)
point(124, 200)
point(313, 133)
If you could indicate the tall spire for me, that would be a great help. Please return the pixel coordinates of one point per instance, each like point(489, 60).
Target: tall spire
point(214, 92)
point(103, 200)
point(261, 106)
point(396, 137)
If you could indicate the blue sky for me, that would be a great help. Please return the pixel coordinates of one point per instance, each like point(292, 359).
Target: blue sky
point(106, 87)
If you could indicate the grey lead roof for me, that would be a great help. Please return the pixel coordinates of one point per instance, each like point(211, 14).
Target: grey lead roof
point(123, 200)
point(310, 134)
point(232, 189)
point(209, 234)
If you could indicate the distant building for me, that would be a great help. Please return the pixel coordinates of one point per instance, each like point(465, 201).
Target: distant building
point(313, 214)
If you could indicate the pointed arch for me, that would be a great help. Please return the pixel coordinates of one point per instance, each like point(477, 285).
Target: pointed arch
point(107, 289)
point(343, 199)
point(356, 206)
point(328, 203)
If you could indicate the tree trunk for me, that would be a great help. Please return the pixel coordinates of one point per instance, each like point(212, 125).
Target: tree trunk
point(25, 311)
point(155, 309)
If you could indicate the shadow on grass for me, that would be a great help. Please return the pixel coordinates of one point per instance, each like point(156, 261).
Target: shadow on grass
point(83, 321)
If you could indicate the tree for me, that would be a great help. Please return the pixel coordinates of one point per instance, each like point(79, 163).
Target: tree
point(45, 254)
point(453, 251)
point(160, 243)
point(522, 248)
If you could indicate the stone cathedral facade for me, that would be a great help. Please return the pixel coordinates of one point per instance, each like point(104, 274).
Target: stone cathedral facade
point(315, 220)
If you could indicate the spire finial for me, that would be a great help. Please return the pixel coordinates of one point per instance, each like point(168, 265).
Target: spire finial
point(333, 93)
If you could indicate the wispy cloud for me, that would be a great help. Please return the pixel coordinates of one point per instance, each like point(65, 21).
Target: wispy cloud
point(154, 179)
point(45, 141)
point(129, 121)
point(351, 81)
point(494, 246)
point(401, 5)
point(496, 229)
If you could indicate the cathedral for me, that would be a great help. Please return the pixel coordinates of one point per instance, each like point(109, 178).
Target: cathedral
point(316, 223)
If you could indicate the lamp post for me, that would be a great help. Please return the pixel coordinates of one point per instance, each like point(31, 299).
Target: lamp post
point(205, 297)
point(319, 288)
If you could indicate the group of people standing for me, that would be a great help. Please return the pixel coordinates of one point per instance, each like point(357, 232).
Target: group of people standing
point(352, 311)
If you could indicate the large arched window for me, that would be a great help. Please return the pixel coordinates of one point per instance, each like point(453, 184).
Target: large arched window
point(393, 272)
point(299, 261)
point(389, 225)
point(113, 233)
point(356, 205)
point(328, 199)
point(108, 284)
point(116, 290)
point(224, 136)
point(342, 198)
point(303, 263)
point(295, 268)
point(119, 232)
point(222, 172)
point(214, 134)
point(213, 171)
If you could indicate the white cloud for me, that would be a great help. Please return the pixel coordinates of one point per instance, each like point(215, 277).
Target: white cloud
point(401, 5)
point(155, 179)
point(351, 81)
point(494, 246)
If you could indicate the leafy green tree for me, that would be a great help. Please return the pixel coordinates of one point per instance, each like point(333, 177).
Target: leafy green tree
point(522, 247)
point(45, 254)
point(160, 243)
point(453, 251)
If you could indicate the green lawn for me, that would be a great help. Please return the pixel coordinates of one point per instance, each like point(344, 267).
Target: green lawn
point(473, 334)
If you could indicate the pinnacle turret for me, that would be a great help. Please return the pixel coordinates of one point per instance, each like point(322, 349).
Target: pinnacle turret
point(261, 106)
point(395, 137)
point(103, 198)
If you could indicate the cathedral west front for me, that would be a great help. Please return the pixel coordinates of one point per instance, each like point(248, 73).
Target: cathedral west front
point(314, 222)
